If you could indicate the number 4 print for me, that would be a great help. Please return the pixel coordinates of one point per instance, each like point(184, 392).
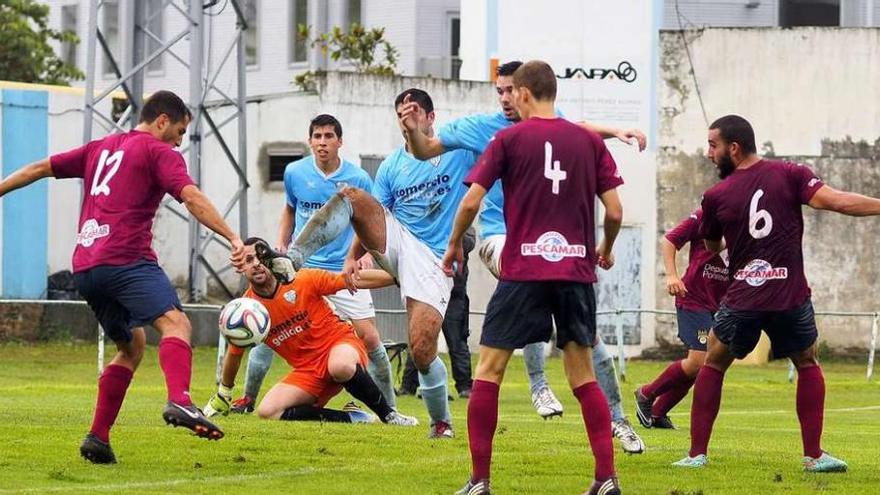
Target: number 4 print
point(552, 170)
point(102, 186)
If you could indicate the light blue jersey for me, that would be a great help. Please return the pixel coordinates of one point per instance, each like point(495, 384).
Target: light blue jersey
point(307, 189)
point(473, 133)
point(424, 195)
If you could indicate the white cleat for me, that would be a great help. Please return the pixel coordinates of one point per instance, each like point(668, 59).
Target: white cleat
point(396, 419)
point(630, 440)
point(546, 404)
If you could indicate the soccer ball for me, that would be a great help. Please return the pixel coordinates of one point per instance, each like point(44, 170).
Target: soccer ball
point(244, 322)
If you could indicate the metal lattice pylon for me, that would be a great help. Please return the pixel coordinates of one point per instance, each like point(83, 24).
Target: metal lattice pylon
point(129, 72)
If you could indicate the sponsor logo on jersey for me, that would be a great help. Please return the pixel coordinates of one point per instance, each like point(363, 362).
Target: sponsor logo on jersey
point(290, 296)
point(91, 231)
point(294, 325)
point(757, 272)
point(553, 247)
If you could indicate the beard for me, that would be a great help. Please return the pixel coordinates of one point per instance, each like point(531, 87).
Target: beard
point(725, 166)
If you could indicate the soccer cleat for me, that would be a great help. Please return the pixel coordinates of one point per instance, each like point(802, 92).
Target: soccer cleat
point(826, 463)
point(643, 408)
point(630, 440)
point(441, 429)
point(244, 405)
point(396, 419)
point(464, 394)
point(546, 404)
point(357, 414)
point(96, 451)
point(608, 487)
point(697, 462)
point(480, 487)
point(662, 422)
point(191, 417)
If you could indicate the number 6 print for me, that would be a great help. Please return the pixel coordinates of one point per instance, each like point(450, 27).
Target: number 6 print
point(756, 215)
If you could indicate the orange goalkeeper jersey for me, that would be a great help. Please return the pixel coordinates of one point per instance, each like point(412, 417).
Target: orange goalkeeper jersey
point(304, 328)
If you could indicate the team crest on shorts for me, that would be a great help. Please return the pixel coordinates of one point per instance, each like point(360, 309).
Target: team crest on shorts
point(290, 296)
point(703, 336)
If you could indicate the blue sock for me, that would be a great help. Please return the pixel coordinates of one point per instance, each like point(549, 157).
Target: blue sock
point(433, 385)
point(607, 378)
point(379, 368)
point(259, 361)
point(533, 354)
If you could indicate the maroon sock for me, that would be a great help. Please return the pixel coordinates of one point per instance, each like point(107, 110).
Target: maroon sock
point(811, 408)
point(707, 401)
point(672, 397)
point(111, 392)
point(672, 375)
point(597, 419)
point(175, 358)
point(482, 418)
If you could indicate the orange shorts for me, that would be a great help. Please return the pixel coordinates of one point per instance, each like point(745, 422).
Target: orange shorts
point(316, 380)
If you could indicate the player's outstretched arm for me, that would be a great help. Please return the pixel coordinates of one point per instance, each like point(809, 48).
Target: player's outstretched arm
point(848, 203)
point(374, 279)
point(219, 403)
point(625, 135)
point(285, 228)
point(611, 226)
point(674, 285)
point(26, 176)
point(420, 145)
point(201, 207)
point(467, 211)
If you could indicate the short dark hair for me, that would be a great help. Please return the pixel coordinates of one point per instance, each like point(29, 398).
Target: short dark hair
point(735, 129)
point(538, 77)
point(417, 95)
point(508, 69)
point(164, 102)
point(324, 120)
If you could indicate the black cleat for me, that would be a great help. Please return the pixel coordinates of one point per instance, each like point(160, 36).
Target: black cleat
point(607, 487)
point(96, 451)
point(643, 408)
point(244, 405)
point(662, 422)
point(191, 417)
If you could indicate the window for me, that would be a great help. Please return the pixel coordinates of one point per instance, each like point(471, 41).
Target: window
point(454, 43)
point(809, 13)
point(280, 156)
point(111, 33)
point(299, 15)
point(69, 18)
point(252, 35)
point(153, 13)
point(353, 13)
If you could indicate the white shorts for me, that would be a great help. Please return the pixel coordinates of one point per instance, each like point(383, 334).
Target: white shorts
point(418, 271)
point(357, 306)
point(490, 253)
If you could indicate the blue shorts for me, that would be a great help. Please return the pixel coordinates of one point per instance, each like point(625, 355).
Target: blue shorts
point(693, 327)
point(124, 297)
point(521, 313)
point(790, 331)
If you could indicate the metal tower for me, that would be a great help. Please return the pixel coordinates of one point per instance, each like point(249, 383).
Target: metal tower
point(128, 71)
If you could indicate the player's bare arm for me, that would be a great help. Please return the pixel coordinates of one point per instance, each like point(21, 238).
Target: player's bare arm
point(845, 202)
point(625, 135)
point(674, 285)
point(420, 144)
point(467, 211)
point(285, 228)
point(351, 266)
point(611, 226)
point(201, 207)
point(26, 176)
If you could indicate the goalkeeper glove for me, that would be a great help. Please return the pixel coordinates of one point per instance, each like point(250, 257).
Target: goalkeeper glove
point(218, 404)
point(281, 266)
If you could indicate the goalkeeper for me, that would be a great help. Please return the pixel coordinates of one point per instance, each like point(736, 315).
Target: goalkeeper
point(324, 352)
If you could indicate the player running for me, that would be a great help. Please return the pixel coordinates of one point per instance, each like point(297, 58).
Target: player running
point(757, 211)
point(696, 301)
point(308, 184)
point(405, 226)
point(115, 269)
point(552, 171)
point(324, 352)
point(474, 133)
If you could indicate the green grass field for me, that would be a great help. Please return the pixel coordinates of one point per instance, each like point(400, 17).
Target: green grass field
point(48, 393)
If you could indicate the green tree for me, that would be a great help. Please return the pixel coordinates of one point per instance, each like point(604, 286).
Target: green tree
point(25, 51)
point(366, 50)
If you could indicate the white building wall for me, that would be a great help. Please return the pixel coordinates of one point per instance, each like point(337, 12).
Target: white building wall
point(719, 13)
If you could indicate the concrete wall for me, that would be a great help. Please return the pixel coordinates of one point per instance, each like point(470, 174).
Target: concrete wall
point(810, 94)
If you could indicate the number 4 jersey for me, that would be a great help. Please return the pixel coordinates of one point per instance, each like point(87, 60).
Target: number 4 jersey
point(124, 177)
point(758, 212)
point(552, 171)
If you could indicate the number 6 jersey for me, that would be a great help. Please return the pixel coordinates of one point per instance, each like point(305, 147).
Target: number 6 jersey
point(124, 177)
point(758, 212)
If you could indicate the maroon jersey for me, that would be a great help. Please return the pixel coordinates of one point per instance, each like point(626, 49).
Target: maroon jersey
point(707, 274)
point(552, 171)
point(758, 212)
point(125, 177)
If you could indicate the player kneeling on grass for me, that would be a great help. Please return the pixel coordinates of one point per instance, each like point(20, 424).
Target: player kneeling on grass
point(324, 352)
